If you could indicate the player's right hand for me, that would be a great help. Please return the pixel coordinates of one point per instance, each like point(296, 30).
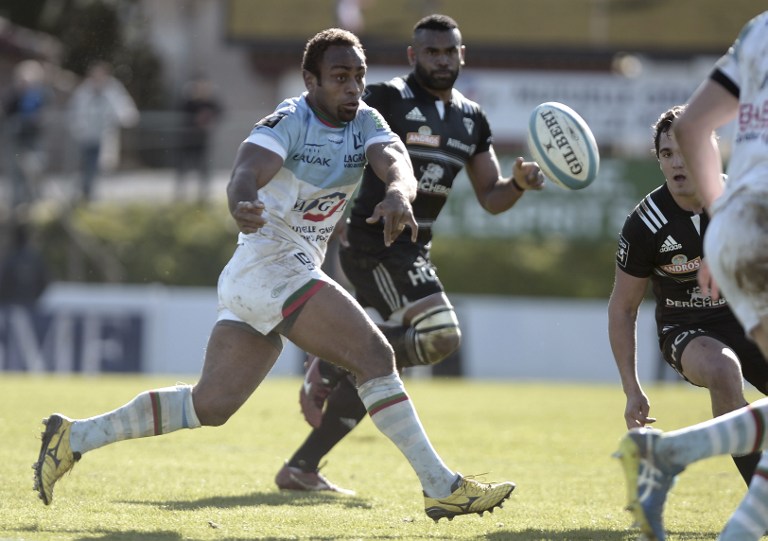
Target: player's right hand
point(636, 412)
point(396, 213)
point(248, 216)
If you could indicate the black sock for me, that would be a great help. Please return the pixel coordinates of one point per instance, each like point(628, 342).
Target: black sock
point(331, 372)
point(747, 465)
point(343, 412)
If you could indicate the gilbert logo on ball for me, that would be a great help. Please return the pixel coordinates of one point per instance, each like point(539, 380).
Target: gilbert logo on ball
point(563, 145)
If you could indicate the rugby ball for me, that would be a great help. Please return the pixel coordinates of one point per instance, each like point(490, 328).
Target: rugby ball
point(563, 145)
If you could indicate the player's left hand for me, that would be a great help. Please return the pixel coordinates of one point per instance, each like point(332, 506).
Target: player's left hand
point(527, 175)
point(396, 212)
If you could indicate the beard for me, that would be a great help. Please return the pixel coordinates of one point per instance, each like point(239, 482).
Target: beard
point(442, 82)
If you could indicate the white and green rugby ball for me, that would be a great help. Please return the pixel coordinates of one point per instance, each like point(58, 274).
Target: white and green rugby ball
point(563, 145)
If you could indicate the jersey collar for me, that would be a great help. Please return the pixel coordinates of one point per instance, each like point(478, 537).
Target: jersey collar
point(325, 119)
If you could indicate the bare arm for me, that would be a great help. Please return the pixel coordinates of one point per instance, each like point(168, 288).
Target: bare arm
point(710, 107)
point(495, 193)
point(254, 168)
point(623, 306)
point(391, 163)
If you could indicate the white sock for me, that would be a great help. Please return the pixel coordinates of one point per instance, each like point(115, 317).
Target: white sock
point(738, 432)
point(750, 520)
point(393, 414)
point(149, 414)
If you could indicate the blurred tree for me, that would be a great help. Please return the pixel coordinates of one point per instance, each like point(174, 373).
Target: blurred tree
point(96, 30)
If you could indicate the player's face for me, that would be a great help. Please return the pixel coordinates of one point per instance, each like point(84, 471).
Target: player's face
point(336, 94)
point(437, 57)
point(673, 166)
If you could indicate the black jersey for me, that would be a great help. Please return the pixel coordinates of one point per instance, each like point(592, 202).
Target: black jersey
point(439, 147)
point(662, 241)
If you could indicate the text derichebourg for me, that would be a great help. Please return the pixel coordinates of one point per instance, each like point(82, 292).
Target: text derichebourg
point(696, 303)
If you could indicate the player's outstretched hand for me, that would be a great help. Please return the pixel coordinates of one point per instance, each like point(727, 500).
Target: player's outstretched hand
point(396, 212)
point(528, 175)
point(249, 216)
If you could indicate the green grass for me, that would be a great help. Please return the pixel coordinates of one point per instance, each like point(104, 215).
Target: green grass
point(554, 441)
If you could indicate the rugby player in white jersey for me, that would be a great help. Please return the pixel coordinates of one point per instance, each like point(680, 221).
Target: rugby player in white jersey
point(292, 177)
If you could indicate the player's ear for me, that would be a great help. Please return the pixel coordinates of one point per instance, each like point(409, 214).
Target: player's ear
point(411, 56)
point(462, 53)
point(310, 80)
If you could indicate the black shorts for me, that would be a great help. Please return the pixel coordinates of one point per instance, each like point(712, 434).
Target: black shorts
point(675, 338)
point(387, 279)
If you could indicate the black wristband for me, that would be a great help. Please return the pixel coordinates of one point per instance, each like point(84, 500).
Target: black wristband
point(516, 185)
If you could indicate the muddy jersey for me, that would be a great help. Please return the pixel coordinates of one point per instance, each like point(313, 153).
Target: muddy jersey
point(322, 166)
point(743, 71)
point(439, 147)
point(662, 241)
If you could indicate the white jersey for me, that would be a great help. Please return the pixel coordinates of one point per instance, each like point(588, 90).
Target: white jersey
point(274, 270)
point(322, 166)
point(743, 70)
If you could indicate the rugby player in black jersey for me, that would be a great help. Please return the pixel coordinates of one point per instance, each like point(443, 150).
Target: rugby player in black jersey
point(398, 285)
point(699, 336)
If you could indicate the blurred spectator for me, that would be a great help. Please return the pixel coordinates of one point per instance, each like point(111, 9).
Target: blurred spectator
point(201, 111)
point(349, 15)
point(23, 271)
point(99, 107)
point(24, 108)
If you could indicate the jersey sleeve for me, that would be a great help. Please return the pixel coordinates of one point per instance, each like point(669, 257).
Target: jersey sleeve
point(374, 128)
point(726, 71)
point(634, 254)
point(276, 132)
point(485, 137)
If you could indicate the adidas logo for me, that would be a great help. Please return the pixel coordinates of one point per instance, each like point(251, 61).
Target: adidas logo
point(670, 245)
point(416, 115)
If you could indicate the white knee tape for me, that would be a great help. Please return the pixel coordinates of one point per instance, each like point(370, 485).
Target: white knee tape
point(432, 329)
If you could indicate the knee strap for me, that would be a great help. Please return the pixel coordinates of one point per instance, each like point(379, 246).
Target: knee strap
point(433, 335)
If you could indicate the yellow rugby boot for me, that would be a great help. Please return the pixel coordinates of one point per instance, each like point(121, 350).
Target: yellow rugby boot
point(468, 496)
point(56, 457)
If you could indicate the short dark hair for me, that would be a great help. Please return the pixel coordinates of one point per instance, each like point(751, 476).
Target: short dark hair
point(317, 45)
point(436, 22)
point(664, 124)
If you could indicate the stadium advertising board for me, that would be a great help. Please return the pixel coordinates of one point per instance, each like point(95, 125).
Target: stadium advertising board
point(68, 341)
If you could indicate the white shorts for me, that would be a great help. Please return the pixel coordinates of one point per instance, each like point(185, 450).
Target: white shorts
point(736, 248)
point(265, 282)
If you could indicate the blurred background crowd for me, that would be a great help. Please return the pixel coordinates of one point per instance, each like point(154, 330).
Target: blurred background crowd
point(120, 120)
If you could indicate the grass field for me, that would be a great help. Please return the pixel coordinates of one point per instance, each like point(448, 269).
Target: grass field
point(554, 441)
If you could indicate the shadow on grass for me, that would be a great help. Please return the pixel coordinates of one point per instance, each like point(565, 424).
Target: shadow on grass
point(294, 498)
point(587, 535)
point(503, 535)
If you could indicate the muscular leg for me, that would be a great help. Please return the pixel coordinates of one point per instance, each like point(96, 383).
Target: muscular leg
point(331, 313)
point(738, 432)
point(344, 408)
point(711, 364)
point(236, 361)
